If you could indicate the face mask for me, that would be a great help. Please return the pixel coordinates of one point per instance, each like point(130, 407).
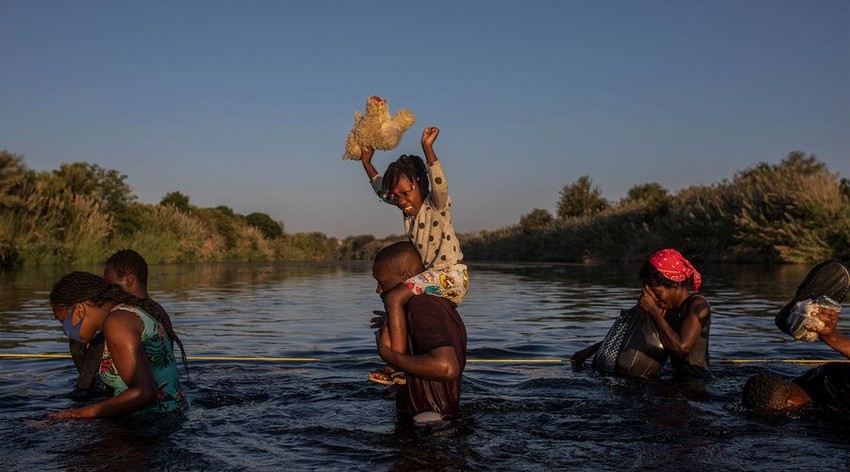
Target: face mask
point(72, 330)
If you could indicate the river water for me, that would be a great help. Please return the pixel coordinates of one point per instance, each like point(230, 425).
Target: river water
point(322, 414)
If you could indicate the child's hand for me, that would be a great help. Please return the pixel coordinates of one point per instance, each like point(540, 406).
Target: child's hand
point(366, 154)
point(379, 321)
point(429, 135)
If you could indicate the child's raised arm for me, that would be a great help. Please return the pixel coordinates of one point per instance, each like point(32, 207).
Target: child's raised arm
point(366, 154)
point(429, 135)
point(439, 194)
point(375, 179)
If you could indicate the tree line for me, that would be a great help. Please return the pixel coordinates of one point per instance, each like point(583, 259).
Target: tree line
point(81, 213)
point(792, 212)
point(796, 211)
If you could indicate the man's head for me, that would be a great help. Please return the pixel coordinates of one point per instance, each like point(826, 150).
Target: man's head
point(768, 392)
point(394, 264)
point(128, 269)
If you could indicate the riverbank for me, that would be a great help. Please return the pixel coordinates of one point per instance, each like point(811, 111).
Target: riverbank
point(794, 212)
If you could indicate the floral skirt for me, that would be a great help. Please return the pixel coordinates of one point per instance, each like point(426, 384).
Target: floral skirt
point(450, 282)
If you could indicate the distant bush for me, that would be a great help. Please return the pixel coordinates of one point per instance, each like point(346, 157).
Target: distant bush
point(263, 222)
point(792, 212)
point(81, 213)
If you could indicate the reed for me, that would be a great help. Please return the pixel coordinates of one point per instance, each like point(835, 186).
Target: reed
point(793, 212)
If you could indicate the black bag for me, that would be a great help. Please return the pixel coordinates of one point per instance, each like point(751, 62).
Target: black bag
point(632, 346)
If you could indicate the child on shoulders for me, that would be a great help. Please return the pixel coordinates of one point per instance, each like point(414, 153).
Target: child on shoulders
point(421, 193)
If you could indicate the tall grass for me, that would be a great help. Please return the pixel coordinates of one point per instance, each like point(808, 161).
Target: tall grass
point(794, 212)
point(43, 221)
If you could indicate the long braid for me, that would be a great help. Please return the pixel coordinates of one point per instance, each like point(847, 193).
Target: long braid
point(79, 287)
point(412, 167)
point(118, 295)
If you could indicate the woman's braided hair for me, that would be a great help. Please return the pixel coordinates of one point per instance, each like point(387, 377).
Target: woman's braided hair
point(79, 287)
point(412, 167)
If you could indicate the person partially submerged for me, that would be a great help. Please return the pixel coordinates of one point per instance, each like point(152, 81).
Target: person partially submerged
point(129, 270)
point(138, 355)
point(826, 386)
point(668, 320)
point(435, 356)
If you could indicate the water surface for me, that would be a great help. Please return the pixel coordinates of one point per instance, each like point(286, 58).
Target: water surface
point(324, 415)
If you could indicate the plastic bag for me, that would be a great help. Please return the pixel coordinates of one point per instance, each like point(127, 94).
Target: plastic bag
point(632, 346)
point(802, 322)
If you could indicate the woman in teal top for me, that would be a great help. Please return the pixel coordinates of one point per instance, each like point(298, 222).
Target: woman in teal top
point(138, 358)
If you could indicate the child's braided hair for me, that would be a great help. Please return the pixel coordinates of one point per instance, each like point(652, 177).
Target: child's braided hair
point(79, 287)
point(412, 167)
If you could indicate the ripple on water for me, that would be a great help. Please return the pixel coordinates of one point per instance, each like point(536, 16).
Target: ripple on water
point(326, 416)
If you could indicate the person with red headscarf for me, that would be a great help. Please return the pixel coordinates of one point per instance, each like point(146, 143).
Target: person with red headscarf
point(682, 318)
point(668, 321)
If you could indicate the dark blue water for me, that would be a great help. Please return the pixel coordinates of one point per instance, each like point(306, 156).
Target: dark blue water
point(325, 415)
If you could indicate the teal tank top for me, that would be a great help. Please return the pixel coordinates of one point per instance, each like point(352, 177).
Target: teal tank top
point(160, 352)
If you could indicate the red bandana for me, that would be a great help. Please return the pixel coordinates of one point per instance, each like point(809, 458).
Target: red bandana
point(675, 267)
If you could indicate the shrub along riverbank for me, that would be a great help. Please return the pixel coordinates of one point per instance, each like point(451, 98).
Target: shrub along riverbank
point(81, 213)
point(793, 212)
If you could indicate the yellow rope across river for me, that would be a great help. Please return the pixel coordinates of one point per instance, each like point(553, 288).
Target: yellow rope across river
point(529, 360)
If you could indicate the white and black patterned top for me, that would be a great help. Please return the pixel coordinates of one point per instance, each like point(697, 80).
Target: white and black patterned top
point(431, 230)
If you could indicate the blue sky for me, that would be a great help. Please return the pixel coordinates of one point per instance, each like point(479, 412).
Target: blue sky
point(248, 103)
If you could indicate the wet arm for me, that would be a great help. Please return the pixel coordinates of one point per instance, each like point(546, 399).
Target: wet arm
point(840, 343)
point(581, 356)
point(122, 330)
point(830, 334)
point(681, 343)
point(437, 364)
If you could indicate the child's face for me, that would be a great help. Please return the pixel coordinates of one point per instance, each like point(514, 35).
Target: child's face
point(407, 197)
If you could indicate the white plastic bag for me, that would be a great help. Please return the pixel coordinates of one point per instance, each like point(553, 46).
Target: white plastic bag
point(802, 320)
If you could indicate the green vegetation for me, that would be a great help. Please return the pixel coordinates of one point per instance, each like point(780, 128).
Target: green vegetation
point(81, 213)
point(793, 212)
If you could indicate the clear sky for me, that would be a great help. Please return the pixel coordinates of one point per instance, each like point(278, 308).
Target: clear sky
point(248, 103)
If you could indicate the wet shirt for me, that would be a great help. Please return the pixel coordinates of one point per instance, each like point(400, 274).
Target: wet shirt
point(430, 229)
point(160, 352)
point(828, 385)
point(432, 322)
point(696, 363)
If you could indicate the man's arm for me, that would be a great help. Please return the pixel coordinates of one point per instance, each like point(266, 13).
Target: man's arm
point(581, 356)
point(830, 334)
point(438, 364)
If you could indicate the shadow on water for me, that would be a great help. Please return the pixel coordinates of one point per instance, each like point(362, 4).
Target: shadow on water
point(326, 416)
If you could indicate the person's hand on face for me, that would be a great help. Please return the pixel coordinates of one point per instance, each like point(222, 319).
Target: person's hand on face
point(648, 301)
